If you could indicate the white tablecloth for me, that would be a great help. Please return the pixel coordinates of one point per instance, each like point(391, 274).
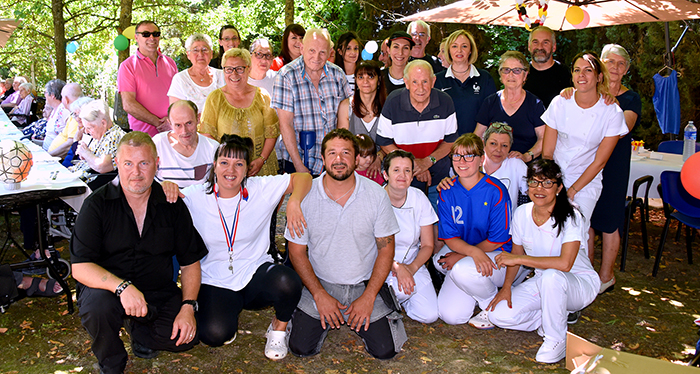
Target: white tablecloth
point(641, 166)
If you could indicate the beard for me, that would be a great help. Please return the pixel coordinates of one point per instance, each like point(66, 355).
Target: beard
point(541, 56)
point(340, 176)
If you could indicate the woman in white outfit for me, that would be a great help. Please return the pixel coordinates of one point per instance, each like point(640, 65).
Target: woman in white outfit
point(548, 235)
point(414, 243)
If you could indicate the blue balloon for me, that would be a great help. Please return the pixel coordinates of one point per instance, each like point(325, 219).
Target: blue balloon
point(366, 55)
point(71, 47)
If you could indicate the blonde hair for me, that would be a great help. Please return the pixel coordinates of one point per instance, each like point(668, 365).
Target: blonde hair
point(236, 53)
point(470, 142)
point(473, 52)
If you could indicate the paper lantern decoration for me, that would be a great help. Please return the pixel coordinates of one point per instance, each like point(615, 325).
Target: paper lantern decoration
point(15, 163)
point(72, 47)
point(574, 15)
point(585, 22)
point(121, 43)
point(130, 32)
point(690, 177)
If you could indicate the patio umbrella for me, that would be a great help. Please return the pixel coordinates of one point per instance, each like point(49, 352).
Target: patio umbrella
point(601, 12)
point(7, 26)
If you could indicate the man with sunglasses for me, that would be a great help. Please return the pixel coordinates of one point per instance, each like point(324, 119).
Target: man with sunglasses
point(144, 80)
point(547, 77)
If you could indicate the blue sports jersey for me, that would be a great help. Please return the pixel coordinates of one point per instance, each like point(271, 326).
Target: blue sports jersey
point(477, 215)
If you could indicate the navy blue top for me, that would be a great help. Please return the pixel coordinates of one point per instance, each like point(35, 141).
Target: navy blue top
point(523, 121)
point(467, 97)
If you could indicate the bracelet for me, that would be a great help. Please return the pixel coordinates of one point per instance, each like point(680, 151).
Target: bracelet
point(573, 188)
point(122, 286)
point(264, 159)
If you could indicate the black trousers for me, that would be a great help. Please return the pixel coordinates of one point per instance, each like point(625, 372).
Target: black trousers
point(102, 315)
point(219, 308)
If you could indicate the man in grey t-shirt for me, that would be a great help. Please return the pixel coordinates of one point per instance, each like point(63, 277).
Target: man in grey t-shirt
point(350, 241)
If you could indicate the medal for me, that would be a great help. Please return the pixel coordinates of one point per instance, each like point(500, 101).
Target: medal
point(230, 235)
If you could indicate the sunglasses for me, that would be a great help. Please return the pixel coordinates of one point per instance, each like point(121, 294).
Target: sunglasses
point(147, 34)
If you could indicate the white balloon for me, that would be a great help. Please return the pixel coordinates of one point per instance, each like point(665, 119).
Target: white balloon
point(371, 46)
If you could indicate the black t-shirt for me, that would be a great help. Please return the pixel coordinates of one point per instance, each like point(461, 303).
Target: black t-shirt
point(432, 60)
point(547, 84)
point(523, 121)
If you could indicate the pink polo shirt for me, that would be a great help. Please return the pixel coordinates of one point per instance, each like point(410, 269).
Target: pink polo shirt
point(150, 83)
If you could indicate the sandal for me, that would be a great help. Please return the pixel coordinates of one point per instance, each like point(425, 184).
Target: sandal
point(481, 321)
point(35, 291)
point(276, 347)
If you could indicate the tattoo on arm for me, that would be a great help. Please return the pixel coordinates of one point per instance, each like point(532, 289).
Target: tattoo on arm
point(383, 242)
point(104, 278)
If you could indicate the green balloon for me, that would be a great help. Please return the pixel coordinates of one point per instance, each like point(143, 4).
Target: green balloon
point(121, 43)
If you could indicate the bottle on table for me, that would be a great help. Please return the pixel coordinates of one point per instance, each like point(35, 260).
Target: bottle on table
point(690, 136)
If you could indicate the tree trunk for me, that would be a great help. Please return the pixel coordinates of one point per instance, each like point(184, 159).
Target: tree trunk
point(125, 7)
point(288, 12)
point(59, 39)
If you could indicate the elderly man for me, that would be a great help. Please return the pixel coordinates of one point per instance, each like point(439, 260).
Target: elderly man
point(144, 80)
point(64, 140)
point(350, 242)
point(121, 250)
point(13, 98)
point(306, 94)
point(185, 155)
point(57, 121)
point(420, 32)
point(422, 120)
point(7, 89)
point(384, 53)
point(261, 59)
point(547, 77)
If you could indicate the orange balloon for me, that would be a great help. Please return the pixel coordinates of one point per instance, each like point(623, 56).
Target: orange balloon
point(574, 15)
point(690, 175)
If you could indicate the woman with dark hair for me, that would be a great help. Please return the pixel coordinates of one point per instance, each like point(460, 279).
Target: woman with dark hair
point(291, 46)
point(549, 234)
point(232, 214)
point(228, 38)
point(360, 112)
point(347, 55)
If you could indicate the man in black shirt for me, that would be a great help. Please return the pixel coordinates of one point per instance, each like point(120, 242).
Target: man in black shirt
point(121, 251)
point(420, 32)
point(547, 77)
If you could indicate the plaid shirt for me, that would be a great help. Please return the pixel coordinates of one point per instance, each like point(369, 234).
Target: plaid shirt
point(314, 110)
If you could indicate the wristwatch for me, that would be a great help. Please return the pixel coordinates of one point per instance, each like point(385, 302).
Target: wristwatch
point(194, 303)
point(432, 159)
point(532, 155)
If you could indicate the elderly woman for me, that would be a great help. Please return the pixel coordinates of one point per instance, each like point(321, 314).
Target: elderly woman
point(57, 121)
point(516, 107)
point(414, 243)
point(198, 81)
point(242, 109)
point(20, 113)
point(548, 235)
point(260, 73)
point(228, 38)
point(97, 151)
point(465, 83)
point(347, 55)
point(291, 46)
point(400, 44)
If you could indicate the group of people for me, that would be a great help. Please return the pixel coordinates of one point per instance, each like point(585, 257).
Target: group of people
point(481, 184)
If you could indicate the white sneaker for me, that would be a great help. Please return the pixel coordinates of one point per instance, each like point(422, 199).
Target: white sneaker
point(481, 321)
point(232, 339)
point(276, 347)
point(551, 352)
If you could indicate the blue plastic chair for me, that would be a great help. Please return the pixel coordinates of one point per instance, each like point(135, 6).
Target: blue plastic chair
point(679, 205)
point(675, 147)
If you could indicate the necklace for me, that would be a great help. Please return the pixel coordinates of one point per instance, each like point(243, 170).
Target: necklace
point(461, 72)
point(331, 195)
point(537, 220)
point(230, 234)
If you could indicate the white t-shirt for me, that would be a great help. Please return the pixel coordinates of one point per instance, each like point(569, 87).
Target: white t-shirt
point(512, 174)
point(543, 241)
point(55, 124)
point(181, 170)
point(267, 83)
point(252, 238)
point(415, 212)
point(184, 88)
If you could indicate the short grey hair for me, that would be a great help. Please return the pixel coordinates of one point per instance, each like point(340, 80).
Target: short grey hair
point(616, 49)
point(96, 110)
point(498, 130)
point(79, 103)
point(418, 64)
point(260, 42)
point(419, 23)
point(27, 86)
point(198, 37)
point(54, 88)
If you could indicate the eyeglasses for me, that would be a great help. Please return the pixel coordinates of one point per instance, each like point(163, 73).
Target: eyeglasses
point(227, 39)
point(147, 34)
point(263, 56)
point(506, 71)
point(467, 158)
point(199, 50)
point(239, 69)
point(419, 34)
point(547, 183)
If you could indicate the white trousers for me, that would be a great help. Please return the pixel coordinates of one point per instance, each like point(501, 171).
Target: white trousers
point(421, 305)
point(545, 300)
point(464, 287)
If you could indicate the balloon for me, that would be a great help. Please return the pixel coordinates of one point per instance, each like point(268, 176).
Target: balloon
point(371, 46)
point(585, 22)
point(366, 55)
point(121, 43)
point(574, 15)
point(130, 32)
point(71, 47)
point(690, 178)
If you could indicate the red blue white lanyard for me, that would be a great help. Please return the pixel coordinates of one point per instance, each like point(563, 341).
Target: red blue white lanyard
point(230, 234)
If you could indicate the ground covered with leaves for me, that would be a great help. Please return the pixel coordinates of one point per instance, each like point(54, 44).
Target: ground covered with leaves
point(643, 315)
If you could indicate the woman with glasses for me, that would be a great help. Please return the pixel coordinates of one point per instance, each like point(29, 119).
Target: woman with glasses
point(549, 234)
point(260, 73)
point(198, 81)
point(242, 109)
point(291, 46)
point(465, 83)
point(347, 55)
point(228, 38)
point(518, 108)
point(474, 223)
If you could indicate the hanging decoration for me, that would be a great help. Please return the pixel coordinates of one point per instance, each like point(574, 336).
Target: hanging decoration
point(574, 15)
point(542, 6)
point(130, 32)
point(72, 47)
point(586, 20)
point(121, 43)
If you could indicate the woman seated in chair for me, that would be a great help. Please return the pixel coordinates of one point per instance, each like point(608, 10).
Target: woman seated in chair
point(21, 112)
